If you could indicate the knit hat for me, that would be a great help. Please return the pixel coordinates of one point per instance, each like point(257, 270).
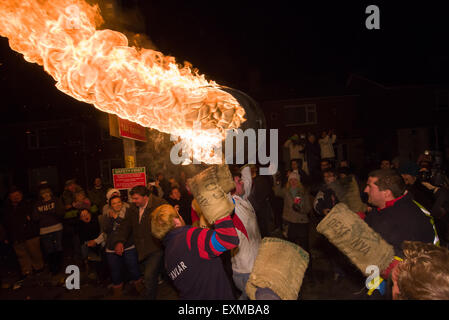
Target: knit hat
point(69, 182)
point(111, 192)
point(293, 175)
point(410, 168)
point(43, 185)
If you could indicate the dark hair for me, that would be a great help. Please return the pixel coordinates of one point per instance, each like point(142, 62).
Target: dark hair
point(389, 179)
point(14, 189)
point(330, 171)
point(113, 197)
point(140, 190)
point(235, 171)
point(84, 209)
point(344, 170)
point(173, 188)
point(325, 160)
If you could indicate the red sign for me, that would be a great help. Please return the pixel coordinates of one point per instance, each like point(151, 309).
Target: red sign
point(131, 130)
point(128, 178)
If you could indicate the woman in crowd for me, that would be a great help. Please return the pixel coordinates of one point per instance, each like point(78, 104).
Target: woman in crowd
point(115, 217)
point(297, 206)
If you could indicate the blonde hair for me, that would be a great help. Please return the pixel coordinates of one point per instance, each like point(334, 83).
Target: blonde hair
point(162, 220)
point(424, 274)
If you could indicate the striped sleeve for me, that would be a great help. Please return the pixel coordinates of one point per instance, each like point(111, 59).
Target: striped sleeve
point(210, 243)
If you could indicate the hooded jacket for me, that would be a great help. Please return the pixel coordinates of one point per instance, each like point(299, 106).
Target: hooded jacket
point(49, 215)
point(18, 223)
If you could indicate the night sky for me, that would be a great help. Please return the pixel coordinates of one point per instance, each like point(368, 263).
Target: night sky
point(300, 50)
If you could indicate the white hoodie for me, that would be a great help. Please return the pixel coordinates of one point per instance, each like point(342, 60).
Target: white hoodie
point(245, 254)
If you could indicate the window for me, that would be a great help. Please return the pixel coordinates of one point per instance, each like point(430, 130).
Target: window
point(299, 115)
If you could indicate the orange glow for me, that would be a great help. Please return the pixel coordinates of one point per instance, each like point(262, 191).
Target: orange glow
point(100, 68)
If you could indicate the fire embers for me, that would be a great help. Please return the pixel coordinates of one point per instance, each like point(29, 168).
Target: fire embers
point(99, 67)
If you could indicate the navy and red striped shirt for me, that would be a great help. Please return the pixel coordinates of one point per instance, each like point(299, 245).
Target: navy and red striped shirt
point(190, 260)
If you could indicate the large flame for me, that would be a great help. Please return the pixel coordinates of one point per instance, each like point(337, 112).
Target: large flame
point(100, 68)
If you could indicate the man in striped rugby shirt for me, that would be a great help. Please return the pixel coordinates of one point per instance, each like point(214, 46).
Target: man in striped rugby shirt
point(191, 254)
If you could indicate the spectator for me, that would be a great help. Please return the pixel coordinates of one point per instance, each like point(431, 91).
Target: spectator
point(424, 273)
point(112, 193)
point(135, 224)
point(115, 217)
point(180, 205)
point(245, 222)
point(191, 254)
point(313, 156)
point(173, 183)
point(396, 163)
point(296, 209)
point(98, 193)
point(344, 164)
point(260, 198)
point(155, 188)
point(23, 233)
point(48, 212)
point(326, 198)
point(296, 146)
point(326, 142)
point(83, 202)
point(325, 164)
point(71, 241)
point(409, 172)
point(317, 183)
point(440, 210)
point(92, 240)
point(348, 191)
point(165, 185)
point(385, 164)
point(68, 197)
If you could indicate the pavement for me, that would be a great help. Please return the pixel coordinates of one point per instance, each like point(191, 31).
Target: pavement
point(318, 284)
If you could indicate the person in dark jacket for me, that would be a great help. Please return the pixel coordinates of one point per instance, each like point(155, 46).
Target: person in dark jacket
point(260, 198)
point(71, 240)
point(136, 224)
point(396, 217)
point(112, 221)
point(191, 254)
point(23, 233)
point(409, 172)
point(440, 210)
point(92, 240)
point(313, 156)
point(98, 193)
point(48, 213)
point(163, 183)
point(180, 204)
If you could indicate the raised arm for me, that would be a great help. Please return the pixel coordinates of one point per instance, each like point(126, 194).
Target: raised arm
point(212, 243)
